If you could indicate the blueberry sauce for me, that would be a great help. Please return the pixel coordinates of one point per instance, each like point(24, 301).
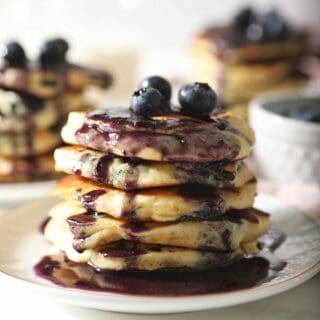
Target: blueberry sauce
point(122, 251)
point(43, 225)
point(89, 199)
point(241, 274)
point(174, 139)
point(132, 227)
point(101, 171)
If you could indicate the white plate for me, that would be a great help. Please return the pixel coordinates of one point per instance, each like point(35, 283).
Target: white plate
point(22, 246)
point(24, 191)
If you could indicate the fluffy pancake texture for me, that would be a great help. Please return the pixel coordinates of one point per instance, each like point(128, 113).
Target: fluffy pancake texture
point(173, 139)
point(128, 174)
point(93, 231)
point(158, 204)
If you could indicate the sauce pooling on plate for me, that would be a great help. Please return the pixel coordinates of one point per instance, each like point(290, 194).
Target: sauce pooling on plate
point(241, 274)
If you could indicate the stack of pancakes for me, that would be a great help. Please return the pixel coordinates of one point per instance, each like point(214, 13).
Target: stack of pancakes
point(34, 102)
point(240, 66)
point(150, 193)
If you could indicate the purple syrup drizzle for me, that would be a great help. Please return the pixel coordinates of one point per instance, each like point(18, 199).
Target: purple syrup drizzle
point(242, 274)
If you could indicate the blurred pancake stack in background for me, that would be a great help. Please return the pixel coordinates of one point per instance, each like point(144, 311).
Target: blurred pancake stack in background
point(35, 98)
point(155, 188)
point(254, 54)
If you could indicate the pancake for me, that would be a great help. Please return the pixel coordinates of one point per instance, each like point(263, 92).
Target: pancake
point(232, 45)
point(50, 82)
point(128, 174)
point(94, 230)
point(37, 168)
point(239, 83)
point(244, 74)
point(172, 138)
point(127, 255)
point(190, 202)
point(244, 93)
point(28, 144)
point(19, 112)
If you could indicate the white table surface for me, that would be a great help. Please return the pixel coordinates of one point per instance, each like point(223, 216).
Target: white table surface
point(299, 303)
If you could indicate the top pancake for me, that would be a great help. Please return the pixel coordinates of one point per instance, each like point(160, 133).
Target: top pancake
point(52, 81)
point(173, 138)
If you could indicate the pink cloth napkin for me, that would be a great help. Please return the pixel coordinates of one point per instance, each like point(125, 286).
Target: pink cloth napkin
point(303, 197)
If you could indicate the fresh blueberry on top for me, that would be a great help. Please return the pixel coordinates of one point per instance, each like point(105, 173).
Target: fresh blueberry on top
point(149, 102)
point(275, 27)
point(53, 51)
point(14, 54)
point(159, 83)
point(197, 99)
point(244, 18)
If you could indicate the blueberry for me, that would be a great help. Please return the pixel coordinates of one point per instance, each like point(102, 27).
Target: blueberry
point(197, 99)
point(149, 102)
point(306, 112)
point(53, 51)
point(159, 83)
point(275, 27)
point(244, 18)
point(14, 54)
point(255, 32)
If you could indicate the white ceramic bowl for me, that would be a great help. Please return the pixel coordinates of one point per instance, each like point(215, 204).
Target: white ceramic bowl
point(286, 150)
